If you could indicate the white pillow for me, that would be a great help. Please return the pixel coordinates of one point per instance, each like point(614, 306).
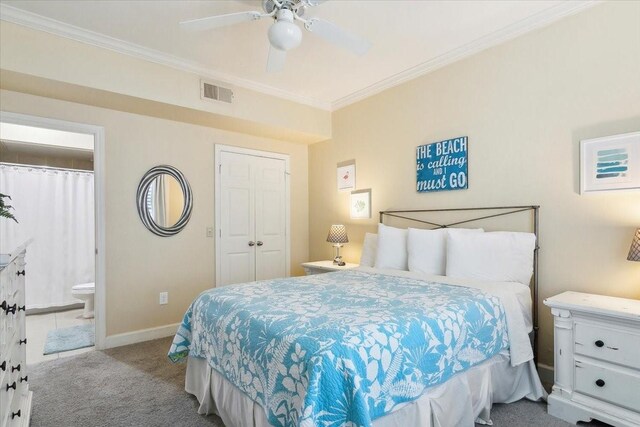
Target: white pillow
point(392, 248)
point(369, 248)
point(452, 230)
point(500, 256)
point(427, 249)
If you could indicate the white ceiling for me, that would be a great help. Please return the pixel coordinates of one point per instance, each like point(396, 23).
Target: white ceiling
point(408, 38)
point(43, 136)
point(35, 141)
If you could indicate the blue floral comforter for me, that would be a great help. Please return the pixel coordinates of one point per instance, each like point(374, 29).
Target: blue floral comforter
point(340, 348)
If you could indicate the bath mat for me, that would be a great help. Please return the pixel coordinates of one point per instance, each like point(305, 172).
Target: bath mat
point(66, 339)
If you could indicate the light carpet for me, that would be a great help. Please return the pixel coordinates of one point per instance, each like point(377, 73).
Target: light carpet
point(72, 338)
point(136, 385)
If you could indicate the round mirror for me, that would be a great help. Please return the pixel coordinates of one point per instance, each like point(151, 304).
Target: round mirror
point(164, 200)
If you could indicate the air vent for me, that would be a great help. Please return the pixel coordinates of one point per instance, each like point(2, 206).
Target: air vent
point(213, 92)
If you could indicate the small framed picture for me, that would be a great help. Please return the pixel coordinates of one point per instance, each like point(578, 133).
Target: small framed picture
point(361, 204)
point(347, 175)
point(611, 163)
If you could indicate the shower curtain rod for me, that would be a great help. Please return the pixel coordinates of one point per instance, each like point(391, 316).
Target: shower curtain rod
point(46, 167)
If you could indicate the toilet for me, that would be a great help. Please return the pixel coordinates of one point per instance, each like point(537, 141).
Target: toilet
point(85, 292)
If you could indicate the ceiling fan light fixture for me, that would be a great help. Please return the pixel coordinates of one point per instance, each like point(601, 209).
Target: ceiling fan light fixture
point(284, 34)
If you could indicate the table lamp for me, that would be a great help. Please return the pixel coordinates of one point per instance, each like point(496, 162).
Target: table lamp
point(634, 250)
point(337, 236)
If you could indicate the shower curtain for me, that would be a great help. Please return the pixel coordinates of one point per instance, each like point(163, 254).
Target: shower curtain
point(55, 207)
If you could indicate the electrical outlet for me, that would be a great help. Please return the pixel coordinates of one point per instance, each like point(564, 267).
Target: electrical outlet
point(164, 298)
point(209, 231)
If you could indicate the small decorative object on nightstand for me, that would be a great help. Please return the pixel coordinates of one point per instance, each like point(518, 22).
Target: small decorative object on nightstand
point(597, 359)
point(634, 250)
point(319, 267)
point(337, 236)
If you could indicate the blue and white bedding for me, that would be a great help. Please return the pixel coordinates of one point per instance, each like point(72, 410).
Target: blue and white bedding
point(341, 348)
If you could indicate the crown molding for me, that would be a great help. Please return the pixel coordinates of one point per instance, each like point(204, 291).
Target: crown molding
point(52, 26)
point(509, 32)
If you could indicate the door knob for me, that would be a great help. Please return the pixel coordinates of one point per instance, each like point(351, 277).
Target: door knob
point(251, 243)
point(259, 243)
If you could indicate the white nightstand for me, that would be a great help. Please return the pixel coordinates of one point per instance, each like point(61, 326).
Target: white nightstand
point(597, 359)
point(318, 267)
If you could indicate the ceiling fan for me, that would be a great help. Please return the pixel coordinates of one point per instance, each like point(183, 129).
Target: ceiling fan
point(284, 34)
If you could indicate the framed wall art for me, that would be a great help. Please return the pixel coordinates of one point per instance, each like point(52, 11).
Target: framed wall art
point(443, 165)
point(360, 206)
point(347, 175)
point(610, 163)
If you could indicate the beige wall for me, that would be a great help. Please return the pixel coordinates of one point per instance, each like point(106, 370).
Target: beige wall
point(24, 51)
point(139, 264)
point(525, 106)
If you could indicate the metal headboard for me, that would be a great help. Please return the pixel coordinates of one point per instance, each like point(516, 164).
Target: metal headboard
point(508, 210)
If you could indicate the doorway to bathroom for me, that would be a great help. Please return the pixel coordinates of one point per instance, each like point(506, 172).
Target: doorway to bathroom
point(47, 168)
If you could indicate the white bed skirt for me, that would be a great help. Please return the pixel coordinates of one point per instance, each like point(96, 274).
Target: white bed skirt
point(458, 402)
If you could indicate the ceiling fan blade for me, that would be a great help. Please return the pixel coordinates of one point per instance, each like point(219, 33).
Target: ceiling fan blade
point(220, 21)
point(276, 59)
point(336, 35)
point(314, 2)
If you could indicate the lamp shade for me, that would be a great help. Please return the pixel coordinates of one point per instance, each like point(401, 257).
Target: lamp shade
point(634, 250)
point(337, 234)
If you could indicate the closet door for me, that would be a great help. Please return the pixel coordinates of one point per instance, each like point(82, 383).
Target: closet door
point(237, 219)
point(251, 241)
point(270, 218)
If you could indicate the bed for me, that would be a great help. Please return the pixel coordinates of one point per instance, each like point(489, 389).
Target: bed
point(365, 347)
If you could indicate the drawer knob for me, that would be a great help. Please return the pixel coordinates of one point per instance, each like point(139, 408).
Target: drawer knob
point(11, 309)
point(15, 368)
point(24, 341)
point(599, 343)
point(16, 414)
point(13, 386)
point(600, 383)
point(3, 366)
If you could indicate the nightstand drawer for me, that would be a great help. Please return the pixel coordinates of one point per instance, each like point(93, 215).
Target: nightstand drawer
point(608, 344)
point(606, 383)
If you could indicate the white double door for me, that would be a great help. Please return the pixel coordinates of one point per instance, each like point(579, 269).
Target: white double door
point(252, 234)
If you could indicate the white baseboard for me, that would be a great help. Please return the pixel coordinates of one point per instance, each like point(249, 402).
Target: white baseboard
point(140, 336)
point(546, 373)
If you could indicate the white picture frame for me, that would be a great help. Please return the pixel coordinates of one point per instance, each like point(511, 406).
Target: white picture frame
point(360, 204)
point(346, 175)
point(610, 163)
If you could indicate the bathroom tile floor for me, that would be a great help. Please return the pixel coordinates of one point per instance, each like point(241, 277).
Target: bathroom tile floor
point(39, 325)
